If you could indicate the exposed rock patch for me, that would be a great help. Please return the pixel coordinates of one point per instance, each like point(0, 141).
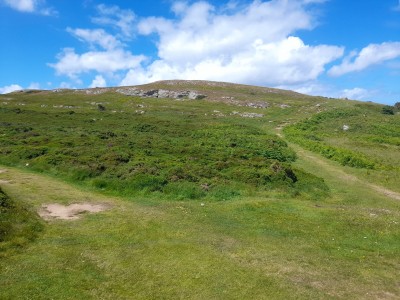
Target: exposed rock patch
point(247, 114)
point(69, 212)
point(160, 93)
point(252, 104)
point(61, 90)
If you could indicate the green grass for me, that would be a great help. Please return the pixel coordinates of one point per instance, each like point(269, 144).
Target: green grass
point(372, 141)
point(203, 205)
point(341, 247)
point(19, 225)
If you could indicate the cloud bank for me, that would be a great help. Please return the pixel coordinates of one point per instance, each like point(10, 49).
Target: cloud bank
point(238, 43)
point(250, 45)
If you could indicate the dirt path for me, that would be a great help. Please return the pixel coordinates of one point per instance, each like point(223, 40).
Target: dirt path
point(342, 174)
point(339, 172)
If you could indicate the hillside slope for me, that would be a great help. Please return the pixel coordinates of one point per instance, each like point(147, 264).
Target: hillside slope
point(192, 141)
point(210, 191)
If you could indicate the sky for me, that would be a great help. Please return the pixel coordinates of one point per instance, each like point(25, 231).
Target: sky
point(332, 48)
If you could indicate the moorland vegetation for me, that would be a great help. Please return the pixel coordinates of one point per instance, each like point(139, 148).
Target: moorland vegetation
point(244, 193)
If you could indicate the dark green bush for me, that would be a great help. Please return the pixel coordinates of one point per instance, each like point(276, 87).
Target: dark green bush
point(388, 110)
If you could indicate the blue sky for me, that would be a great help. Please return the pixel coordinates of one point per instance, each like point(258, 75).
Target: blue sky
point(334, 48)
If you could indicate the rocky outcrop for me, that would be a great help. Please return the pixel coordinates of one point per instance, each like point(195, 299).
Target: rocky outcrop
point(160, 93)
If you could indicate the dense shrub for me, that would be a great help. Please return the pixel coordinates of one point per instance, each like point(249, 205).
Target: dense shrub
point(388, 110)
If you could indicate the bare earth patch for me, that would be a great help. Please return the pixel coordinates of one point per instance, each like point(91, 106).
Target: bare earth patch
point(69, 212)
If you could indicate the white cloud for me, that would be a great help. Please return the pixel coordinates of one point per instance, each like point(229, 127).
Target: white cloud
point(122, 19)
point(72, 64)
point(244, 43)
point(107, 53)
point(355, 93)
point(285, 62)
point(98, 81)
point(22, 5)
point(96, 37)
point(10, 88)
point(250, 45)
point(66, 85)
point(309, 88)
point(200, 32)
point(16, 87)
point(30, 6)
point(373, 54)
point(34, 86)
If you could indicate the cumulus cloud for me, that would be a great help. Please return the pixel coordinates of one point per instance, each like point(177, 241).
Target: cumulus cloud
point(253, 43)
point(72, 64)
point(122, 19)
point(283, 62)
point(16, 87)
point(373, 54)
point(98, 81)
point(30, 6)
point(96, 37)
point(250, 45)
point(107, 55)
point(199, 31)
point(309, 88)
point(34, 86)
point(355, 93)
point(10, 88)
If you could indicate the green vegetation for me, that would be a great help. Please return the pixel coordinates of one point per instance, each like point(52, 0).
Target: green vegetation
point(179, 152)
point(204, 203)
point(359, 137)
point(18, 224)
point(388, 110)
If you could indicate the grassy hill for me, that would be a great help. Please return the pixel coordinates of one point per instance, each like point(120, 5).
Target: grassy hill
point(214, 193)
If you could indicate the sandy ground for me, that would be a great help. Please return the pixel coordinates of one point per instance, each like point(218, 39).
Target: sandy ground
point(69, 212)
